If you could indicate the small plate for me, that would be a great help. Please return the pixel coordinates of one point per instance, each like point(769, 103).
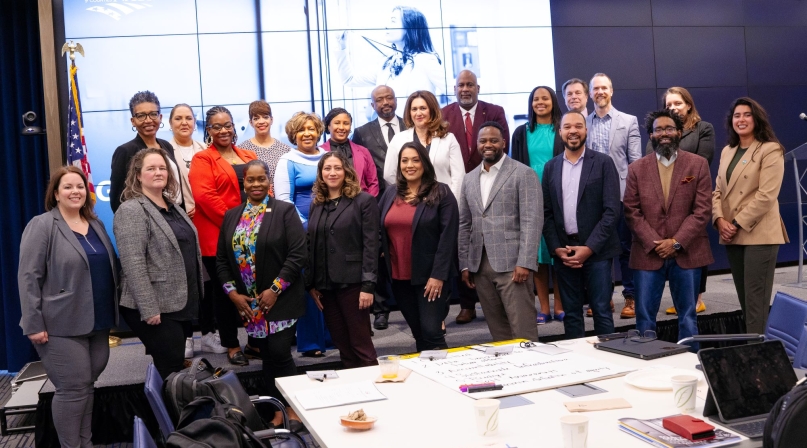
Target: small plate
point(358, 425)
point(658, 378)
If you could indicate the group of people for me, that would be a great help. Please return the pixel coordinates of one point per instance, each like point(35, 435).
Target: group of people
point(310, 239)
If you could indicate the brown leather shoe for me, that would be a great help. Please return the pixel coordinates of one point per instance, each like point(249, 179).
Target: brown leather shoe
point(629, 311)
point(466, 316)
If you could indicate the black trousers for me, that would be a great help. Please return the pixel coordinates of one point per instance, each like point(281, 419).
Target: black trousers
point(226, 314)
point(164, 342)
point(277, 359)
point(423, 317)
point(348, 325)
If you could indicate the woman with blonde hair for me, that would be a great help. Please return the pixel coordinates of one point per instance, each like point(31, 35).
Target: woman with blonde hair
point(343, 257)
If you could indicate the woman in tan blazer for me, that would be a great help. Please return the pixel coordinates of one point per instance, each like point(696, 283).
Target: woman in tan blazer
point(745, 208)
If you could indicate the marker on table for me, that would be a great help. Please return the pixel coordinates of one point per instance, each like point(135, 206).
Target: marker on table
point(473, 389)
point(464, 387)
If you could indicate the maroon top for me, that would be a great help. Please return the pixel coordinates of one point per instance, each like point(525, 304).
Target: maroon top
point(398, 224)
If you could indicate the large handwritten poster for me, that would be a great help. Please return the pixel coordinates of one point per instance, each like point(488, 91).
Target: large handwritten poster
point(518, 372)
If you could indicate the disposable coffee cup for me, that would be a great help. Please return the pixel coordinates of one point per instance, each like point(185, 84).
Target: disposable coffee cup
point(389, 366)
point(575, 430)
point(685, 389)
point(486, 411)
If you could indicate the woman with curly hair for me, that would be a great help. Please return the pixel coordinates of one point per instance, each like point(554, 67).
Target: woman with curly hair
point(343, 257)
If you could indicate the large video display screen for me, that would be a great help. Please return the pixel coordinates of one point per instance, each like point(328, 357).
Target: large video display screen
point(298, 55)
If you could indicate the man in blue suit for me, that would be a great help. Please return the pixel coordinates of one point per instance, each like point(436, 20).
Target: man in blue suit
point(616, 134)
point(581, 211)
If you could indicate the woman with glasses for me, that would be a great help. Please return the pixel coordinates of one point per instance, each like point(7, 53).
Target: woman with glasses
point(745, 207)
point(146, 121)
point(294, 179)
point(268, 148)
point(217, 181)
point(698, 138)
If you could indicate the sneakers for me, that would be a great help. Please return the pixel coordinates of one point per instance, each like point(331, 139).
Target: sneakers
point(211, 343)
point(188, 348)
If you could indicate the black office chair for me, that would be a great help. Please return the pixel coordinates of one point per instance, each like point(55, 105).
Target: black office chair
point(277, 437)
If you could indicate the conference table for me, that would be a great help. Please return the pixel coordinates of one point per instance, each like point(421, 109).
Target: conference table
point(422, 413)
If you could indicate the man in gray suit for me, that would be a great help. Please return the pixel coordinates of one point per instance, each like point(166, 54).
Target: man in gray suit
point(500, 229)
point(616, 134)
point(375, 136)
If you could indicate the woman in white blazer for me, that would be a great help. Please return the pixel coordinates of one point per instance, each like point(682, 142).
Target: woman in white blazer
point(425, 125)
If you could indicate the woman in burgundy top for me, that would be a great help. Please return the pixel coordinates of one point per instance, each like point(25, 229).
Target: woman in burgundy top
point(420, 222)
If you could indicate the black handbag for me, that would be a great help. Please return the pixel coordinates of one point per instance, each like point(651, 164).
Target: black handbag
point(202, 379)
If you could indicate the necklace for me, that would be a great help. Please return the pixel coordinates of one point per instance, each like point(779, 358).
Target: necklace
point(335, 200)
point(182, 152)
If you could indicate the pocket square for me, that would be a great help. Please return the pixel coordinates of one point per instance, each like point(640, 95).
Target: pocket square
point(687, 179)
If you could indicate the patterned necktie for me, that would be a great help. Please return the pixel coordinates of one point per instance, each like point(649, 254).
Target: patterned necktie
point(390, 132)
point(469, 130)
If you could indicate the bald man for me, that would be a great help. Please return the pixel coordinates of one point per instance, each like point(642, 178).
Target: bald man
point(465, 118)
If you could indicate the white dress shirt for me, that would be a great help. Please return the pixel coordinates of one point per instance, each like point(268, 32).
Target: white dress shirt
point(665, 161)
point(471, 111)
point(487, 178)
point(395, 128)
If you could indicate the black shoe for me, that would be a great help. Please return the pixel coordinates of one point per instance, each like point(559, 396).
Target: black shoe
point(238, 359)
point(381, 321)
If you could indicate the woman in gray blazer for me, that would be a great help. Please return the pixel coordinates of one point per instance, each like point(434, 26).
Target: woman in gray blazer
point(160, 260)
point(68, 283)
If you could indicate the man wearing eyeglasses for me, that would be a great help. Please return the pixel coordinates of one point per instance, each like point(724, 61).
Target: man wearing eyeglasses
point(146, 121)
point(668, 202)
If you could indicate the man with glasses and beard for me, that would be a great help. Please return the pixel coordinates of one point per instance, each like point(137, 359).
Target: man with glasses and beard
point(581, 212)
point(668, 203)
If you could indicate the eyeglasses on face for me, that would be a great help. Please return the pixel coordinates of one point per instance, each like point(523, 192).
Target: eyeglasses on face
point(637, 336)
point(667, 130)
point(141, 117)
point(219, 127)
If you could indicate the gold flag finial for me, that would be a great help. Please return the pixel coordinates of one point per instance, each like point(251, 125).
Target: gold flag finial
point(72, 47)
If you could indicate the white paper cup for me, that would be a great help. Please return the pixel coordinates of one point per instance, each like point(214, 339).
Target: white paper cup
point(685, 389)
point(389, 366)
point(486, 411)
point(575, 430)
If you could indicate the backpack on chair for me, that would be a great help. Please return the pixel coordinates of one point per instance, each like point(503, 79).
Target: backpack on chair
point(785, 426)
point(207, 422)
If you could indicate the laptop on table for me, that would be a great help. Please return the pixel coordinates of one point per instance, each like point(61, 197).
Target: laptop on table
point(642, 349)
point(745, 381)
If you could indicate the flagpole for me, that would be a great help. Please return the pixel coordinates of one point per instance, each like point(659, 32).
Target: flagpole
point(76, 126)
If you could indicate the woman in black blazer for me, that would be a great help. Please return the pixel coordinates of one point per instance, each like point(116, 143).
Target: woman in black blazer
point(343, 257)
point(261, 253)
point(420, 223)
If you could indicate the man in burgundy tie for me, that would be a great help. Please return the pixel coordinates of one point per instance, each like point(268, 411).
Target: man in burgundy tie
point(464, 118)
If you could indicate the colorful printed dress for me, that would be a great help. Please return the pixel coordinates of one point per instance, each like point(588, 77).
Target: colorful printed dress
point(244, 239)
point(294, 178)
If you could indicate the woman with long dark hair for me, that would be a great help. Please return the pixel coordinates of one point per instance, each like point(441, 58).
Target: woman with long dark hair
point(343, 257)
point(217, 181)
point(745, 207)
point(69, 299)
point(420, 225)
point(534, 143)
point(411, 64)
point(698, 138)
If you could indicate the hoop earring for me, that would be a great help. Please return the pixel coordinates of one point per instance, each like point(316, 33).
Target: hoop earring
point(162, 125)
point(208, 139)
point(134, 129)
point(235, 137)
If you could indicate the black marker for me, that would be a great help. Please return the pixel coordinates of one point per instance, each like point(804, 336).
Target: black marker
point(472, 389)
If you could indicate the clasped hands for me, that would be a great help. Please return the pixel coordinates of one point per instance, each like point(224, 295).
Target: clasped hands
point(574, 256)
point(726, 229)
point(266, 300)
point(665, 249)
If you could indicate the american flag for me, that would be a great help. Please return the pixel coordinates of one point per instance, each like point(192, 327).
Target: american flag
point(76, 146)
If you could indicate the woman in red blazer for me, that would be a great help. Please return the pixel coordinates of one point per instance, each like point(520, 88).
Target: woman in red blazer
point(216, 176)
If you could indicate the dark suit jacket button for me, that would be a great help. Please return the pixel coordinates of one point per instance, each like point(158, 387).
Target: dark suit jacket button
point(484, 215)
point(331, 231)
point(333, 250)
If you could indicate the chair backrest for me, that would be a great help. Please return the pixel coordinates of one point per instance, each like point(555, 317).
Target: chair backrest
point(142, 438)
point(800, 357)
point(786, 321)
point(154, 394)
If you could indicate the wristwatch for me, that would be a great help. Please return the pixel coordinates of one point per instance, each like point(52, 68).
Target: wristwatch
point(275, 289)
point(676, 245)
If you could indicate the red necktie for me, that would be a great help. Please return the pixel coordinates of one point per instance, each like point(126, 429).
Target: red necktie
point(469, 130)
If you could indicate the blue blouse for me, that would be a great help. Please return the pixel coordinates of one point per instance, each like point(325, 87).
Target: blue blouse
point(103, 283)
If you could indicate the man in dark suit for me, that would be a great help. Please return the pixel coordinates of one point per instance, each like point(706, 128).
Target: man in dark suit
point(464, 120)
point(375, 136)
point(581, 212)
point(668, 203)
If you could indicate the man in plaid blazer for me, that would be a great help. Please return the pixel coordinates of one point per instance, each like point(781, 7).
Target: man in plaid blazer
point(668, 203)
point(501, 217)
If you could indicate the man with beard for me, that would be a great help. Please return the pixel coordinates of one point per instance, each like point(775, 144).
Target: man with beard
point(616, 134)
point(465, 117)
point(500, 230)
point(581, 211)
point(375, 136)
point(668, 203)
